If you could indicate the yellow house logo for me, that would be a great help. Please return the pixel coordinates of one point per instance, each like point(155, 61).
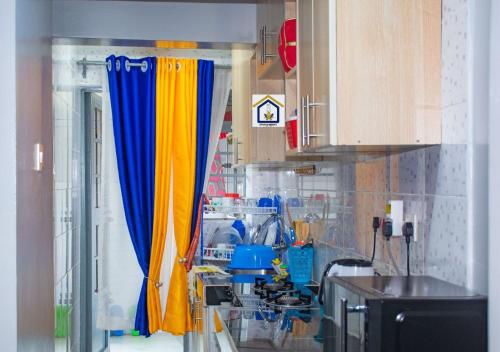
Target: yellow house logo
point(268, 110)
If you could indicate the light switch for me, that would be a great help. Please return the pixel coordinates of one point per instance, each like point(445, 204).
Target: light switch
point(38, 157)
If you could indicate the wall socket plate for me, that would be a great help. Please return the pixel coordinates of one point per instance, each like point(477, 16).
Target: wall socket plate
point(396, 216)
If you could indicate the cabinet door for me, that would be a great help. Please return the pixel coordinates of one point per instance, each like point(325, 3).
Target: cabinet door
point(388, 71)
point(304, 64)
point(241, 104)
point(322, 113)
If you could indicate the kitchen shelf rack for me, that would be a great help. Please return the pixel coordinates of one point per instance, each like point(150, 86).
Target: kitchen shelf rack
point(235, 210)
point(248, 300)
point(218, 254)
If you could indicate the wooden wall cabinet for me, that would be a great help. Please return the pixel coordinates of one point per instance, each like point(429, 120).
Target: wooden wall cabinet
point(258, 71)
point(368, 74)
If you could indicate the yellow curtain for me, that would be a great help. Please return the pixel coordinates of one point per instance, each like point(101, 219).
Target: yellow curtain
point(165, 98)
point(177, 316)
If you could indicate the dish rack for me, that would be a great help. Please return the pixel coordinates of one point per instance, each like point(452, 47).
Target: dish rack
point(248, 300)
point(248, 305)
point(219, 254)
point(235, 211)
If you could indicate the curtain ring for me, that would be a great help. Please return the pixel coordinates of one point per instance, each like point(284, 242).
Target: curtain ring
point(108, 65)
point(144, 66)
point(178, 66)
point(127, 65)
point(118, 66)
point(169, 66)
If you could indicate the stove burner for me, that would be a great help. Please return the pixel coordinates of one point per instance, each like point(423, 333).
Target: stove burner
point(270, 289)
point(273, 286)
point(289, 301)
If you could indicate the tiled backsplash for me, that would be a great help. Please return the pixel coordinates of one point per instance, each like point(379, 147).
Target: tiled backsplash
point(431, 183)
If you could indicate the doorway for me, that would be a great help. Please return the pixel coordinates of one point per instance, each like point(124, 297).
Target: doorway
point(97, 226)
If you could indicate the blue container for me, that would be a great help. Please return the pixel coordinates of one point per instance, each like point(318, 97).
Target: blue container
point(254, 256)
point(265, 202)
point(240, 227)
point(300, 264)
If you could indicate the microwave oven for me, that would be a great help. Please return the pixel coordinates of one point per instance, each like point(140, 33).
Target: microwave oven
point(402, 314)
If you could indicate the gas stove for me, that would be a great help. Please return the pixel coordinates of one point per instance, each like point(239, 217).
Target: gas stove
point(282, 294)
point(265, 289)
point(289, 301)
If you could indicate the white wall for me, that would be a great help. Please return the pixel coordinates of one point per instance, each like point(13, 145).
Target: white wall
point(8, 318)
point(494, 181)
point(33, 89)
point(140, 20)
point(477, 150)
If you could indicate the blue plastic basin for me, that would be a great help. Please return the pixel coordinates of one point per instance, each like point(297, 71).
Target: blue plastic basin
point(253, 256)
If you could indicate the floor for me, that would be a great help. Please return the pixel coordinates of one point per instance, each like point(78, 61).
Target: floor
point(156, 343)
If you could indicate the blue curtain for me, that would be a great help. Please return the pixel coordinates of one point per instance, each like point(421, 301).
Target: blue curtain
point(133, 99)
point(203, 119)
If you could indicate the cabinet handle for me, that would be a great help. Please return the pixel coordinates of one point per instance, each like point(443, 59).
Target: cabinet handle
point(236, 151)
point(264, 34)
point(262, 46)
point(344, 311)
point(302, 120)
point(310, 105)
point(307, 122)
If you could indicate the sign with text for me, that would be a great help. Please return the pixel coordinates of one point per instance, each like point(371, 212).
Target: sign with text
point(268, 110)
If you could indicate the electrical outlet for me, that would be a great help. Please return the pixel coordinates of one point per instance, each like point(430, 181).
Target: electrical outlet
point(413, 219)
point(396, 216)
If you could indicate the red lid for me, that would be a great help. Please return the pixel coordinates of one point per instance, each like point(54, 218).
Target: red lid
point(232, 195)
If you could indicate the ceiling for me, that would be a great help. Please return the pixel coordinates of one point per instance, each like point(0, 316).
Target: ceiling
point(199, 1)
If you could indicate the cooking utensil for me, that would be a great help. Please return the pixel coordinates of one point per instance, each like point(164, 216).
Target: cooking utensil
point(297, 225)
point(305, 231)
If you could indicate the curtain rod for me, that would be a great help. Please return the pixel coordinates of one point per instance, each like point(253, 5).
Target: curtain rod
point(84, 63)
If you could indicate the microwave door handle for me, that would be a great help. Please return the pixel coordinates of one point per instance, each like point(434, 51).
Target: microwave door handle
point(343, 324)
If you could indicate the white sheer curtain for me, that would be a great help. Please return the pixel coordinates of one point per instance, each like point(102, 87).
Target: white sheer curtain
point(119, 274)
point(120, 277)
point(222, 86)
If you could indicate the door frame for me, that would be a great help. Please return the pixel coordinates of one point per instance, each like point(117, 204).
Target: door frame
point(86, 284)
